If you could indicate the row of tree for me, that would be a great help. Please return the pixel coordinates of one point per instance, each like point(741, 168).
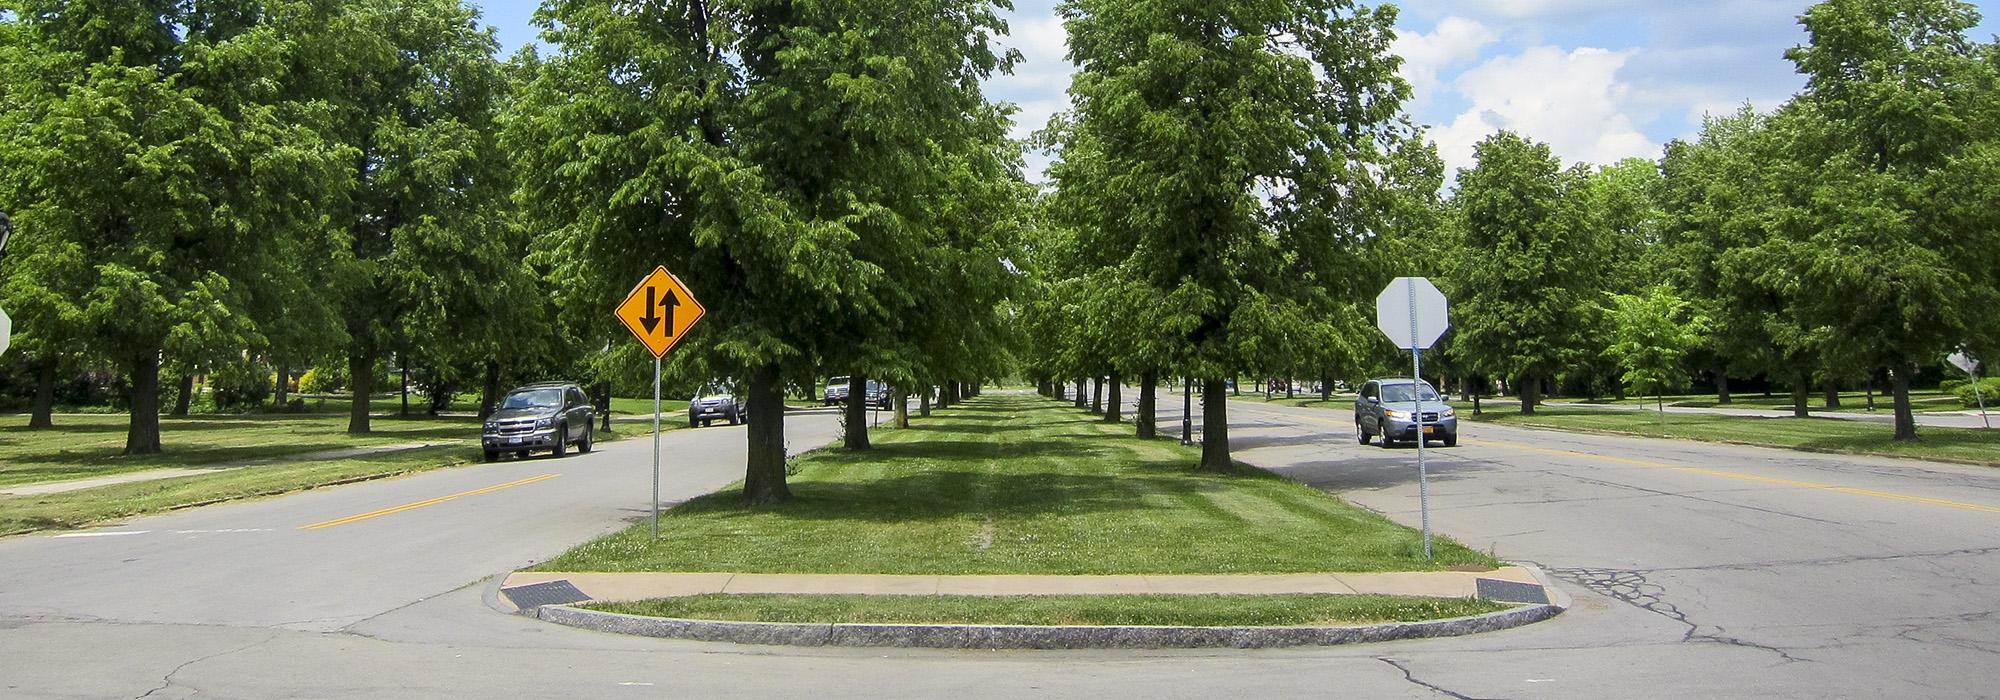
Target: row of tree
point(1237, 180)
point(297, 183)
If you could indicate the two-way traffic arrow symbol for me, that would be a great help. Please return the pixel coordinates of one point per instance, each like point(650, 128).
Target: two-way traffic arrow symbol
point(652, 318)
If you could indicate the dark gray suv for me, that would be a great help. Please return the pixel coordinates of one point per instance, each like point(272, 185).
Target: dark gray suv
point(549, 416)
point(1389, 408)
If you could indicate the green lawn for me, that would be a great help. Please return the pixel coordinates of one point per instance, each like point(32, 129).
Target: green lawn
point(85, 446)
point(1820, 434)
point(1019, 485)
point(1163, 610)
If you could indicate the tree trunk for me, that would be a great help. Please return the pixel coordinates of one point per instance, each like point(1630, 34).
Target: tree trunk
point(1721, 388)
point(1082, 393)
point(764, 470)
point(604, 405)
point(1059, 390)
point(1290, 389)
point(1236, 389)
point(142, 436)
point(924, 403)
point(43, 415)
point(1215, 428)
point(1899, 389)
point(857, 413)
point(361, 377)
point(1325, 390)
point(1097, 395)
point(489, 392)
point(1147, 409)
point(1832, 394)
point(1531, 394)
point(284, 385)
point(403, 364)
point(186, 396)
point(1801, 391)
point(1114, 408)
point(902, 407)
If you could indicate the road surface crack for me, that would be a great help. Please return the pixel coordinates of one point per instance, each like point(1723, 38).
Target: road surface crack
point(1631, 588)
point(167, 681)
point(1441, 690)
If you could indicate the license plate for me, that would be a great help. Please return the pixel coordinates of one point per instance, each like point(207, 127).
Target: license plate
point(1429, 430)
point(513, 441)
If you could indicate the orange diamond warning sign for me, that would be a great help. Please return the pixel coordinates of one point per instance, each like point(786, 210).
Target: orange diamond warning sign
point(660, 311)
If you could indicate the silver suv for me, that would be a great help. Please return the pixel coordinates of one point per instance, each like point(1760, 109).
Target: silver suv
point(1390, 408)
point(716, 402)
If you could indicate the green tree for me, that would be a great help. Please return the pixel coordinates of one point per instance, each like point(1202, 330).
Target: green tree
point(1524, 289)
point(1222, 149)
point(1654, 333)
point(1900, 106)
point(788, 164)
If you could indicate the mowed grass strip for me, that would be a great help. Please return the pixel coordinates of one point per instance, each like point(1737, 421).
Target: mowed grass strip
point(1812, 434)
point(88, 446)
point(1150, 610)
point(1019, 485)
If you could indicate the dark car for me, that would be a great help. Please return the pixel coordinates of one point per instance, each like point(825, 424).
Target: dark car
point(717, 402)
point(878, 395)
point(549, 416)
point(1390, 407)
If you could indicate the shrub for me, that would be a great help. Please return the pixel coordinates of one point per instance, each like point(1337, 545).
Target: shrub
point(324, 379)
point(240, 384)
point(1989, 387)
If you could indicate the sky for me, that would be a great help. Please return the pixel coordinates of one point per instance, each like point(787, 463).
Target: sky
point(1598, 80)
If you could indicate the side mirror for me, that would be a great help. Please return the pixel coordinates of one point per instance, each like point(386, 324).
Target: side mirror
point(1373, 399)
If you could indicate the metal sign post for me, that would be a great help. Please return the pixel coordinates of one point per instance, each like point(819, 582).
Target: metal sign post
point(649, 312)
point(1187, 411)
point(1412, 313)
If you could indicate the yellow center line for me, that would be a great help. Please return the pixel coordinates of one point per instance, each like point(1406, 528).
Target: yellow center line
point(1961, 505)
point(431, 502)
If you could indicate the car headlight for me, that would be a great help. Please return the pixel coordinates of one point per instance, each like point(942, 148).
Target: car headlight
point(543, 423)
point(1448, 412)
point(491, 426)
point(1392, 414)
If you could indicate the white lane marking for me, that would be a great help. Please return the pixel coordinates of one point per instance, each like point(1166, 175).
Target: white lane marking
point(101, 534)
point(632, 683)
point(227, 530)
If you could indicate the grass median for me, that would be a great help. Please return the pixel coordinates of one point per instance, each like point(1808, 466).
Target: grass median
point(1812, 434)
point(1019, 485)
point(1158, 610)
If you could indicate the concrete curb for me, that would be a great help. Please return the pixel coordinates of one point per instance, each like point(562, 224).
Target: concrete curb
point(1035, 637)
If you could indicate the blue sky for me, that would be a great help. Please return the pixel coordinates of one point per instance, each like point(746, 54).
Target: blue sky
point(1598, 80)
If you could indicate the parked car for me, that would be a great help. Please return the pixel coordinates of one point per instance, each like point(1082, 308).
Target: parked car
point(836, 391)
point(1390, 408)
point(548, 416)
point(878, 395)
point(716, 402)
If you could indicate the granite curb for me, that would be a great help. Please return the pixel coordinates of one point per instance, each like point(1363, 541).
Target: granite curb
point(1038, 637)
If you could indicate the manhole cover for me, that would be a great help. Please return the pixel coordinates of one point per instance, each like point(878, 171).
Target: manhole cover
point(555, 593)
point(1511, 592)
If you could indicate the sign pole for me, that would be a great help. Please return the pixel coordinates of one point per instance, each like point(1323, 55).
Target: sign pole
point(1976, 394)
point(656, 447)
point(1416, 388)
point(1187, 411)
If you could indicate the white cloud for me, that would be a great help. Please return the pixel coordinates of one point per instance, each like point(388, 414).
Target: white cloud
point(1455, 40)
point(1572, 100)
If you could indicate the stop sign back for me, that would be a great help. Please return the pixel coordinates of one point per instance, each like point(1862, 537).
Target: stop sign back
point(1411, 311)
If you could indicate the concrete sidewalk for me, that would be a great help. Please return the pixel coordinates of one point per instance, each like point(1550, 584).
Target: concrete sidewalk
point(618, 587)
point(49, 487)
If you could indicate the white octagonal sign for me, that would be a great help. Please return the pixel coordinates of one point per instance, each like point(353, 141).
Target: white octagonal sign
point(1411, 311)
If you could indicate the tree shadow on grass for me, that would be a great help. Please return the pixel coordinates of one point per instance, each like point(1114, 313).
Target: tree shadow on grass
point(184, 457)
point(946, 495)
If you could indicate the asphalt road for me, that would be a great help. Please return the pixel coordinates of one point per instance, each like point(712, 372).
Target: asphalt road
point(1698, 570)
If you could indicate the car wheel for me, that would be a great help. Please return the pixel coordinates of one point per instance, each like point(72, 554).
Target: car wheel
point(562, 441)
point(522, 454)
point(1388, 442)
point(735, 418)
point(585, 446)
point(1451, 440)
point(492, 456)
point(1361, 434)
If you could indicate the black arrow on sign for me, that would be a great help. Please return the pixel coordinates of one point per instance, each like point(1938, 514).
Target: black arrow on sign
point(652, 320)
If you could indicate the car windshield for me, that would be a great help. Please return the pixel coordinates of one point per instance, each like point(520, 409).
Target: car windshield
point(1399, 393)
point(539, 398)
point(837, 381)
point(712, 390)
